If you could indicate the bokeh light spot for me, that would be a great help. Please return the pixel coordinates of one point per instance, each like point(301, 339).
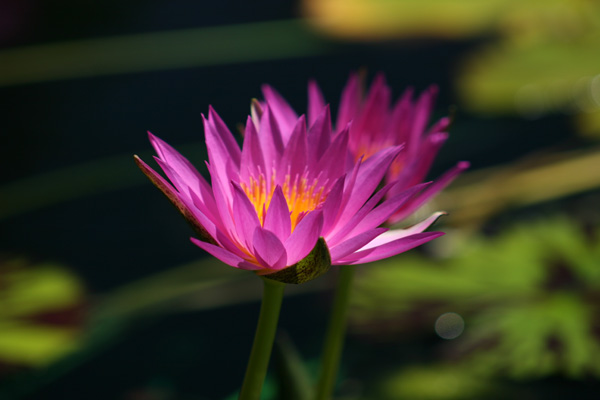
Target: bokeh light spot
point(449, 325)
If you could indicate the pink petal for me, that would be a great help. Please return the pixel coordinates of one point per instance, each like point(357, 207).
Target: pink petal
point(349, 102)
point(223, 196)
point(385, 210)
point(270, 139)
point(369, 176)
point(304, 237)
point(349, 183)
point(441, 126)
point(252, 163)
point(369, 126)
point(431, 191)
point(187, 172)
point(277, 219)
point(294, 157)
point(319, 136)
point(244, 215)
point(389, 249)
point(284, 114)
point(331, 206)
point(351, 245)
point(344, 229)
point(396, 234)
point(219, 154)
point(194, 216)
point(233, 148)
point(268, 249)
point(416, 168)
point(201, 196)
point(316, 102)
point(226, 256)
point(401, 118)
point(422, 112)
point(333, 161)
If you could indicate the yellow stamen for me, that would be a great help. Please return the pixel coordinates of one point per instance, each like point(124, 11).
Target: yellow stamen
point(301, 195)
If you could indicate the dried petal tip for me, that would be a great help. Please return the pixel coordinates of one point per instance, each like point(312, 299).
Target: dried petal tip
point(256, 110)
point(315, 264)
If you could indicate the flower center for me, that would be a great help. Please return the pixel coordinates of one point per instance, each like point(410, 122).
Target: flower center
point(301, 195)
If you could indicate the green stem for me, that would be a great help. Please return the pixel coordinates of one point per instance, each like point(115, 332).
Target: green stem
point(256, 370)
point(334, 341)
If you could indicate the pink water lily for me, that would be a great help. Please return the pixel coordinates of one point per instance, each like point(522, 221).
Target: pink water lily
point(268, 203)
point(376, 124)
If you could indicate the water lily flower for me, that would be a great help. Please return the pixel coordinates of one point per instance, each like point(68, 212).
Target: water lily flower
point(292, 200)
point(376, 124)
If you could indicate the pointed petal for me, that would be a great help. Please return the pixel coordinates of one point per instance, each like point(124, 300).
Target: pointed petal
point(268, 249)
point(427, 194)
point(331, 205)
point(219, 153)
point(200, 196)
point(252, 162)
point(441, 126)
point(396, 234)
point(347, 192)
point(401, 118)
point(369, 124)
point(277, 219)
point(187, 172)
point(294, 159)
point(389, 249)
point(415, 169)
point(385, 210)
point(422, 112)
point(244, 215)
point(226, 256)
point(225, 136)
point(333, 161)
point(369, 176)
point(304, 237)
point(319, 136)
point(269, 136)
point(316, 102)
point(344, 229)
point(284, 114)
point(353, 244)
point(349, 102)
point(223, 200)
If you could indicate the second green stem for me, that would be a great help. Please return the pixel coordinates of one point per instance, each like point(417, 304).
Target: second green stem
point(336, 332)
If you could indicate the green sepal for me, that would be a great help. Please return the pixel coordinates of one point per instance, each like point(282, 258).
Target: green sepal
point(169, 192)
point(315, 264)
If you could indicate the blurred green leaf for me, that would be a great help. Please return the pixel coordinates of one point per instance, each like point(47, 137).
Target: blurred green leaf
point(528, 297)
point(533, 79)
point(294, 381)
point(32, 300)
point(217, 45)
point(436, 382)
